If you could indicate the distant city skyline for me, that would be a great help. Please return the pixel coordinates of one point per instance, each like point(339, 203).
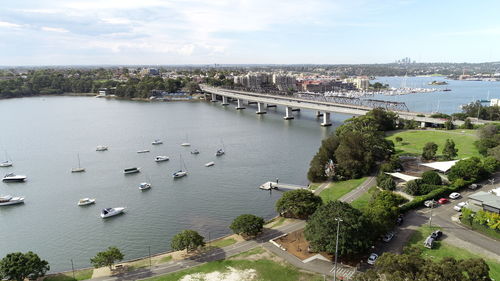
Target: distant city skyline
point(155, 32)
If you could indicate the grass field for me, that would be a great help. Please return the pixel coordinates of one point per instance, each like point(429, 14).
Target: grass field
point(414, 141)
point(223, 243)
point(335, 190)
point(442, 249)
point(265, 268)
point(364, 199)
point(83, 274)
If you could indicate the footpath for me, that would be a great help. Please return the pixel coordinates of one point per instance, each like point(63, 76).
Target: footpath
point(321, 267)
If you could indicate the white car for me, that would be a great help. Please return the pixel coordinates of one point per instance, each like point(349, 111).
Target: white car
point(388, 237)
point(373, 257)
point(455, 195)
point(459, 206)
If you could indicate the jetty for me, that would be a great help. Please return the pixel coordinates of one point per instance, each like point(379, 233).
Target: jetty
point(281, 186)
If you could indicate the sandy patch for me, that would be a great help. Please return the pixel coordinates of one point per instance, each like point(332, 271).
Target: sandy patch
point(231, 275)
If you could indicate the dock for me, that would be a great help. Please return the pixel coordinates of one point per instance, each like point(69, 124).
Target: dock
point(281, 186)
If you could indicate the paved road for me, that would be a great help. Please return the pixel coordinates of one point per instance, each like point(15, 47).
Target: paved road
point(362, 188)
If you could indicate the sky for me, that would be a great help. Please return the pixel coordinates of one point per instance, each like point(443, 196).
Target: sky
point(160, 32)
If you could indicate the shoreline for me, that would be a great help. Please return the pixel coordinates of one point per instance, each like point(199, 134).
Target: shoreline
point(194, 97)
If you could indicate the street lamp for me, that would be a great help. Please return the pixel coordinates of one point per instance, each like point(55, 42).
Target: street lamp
point(338, 220)
point(492, 181)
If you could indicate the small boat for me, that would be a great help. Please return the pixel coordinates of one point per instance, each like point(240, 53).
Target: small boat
point(79, 169)
point(447, 90)
point(157, 142)
point(132, 170)
point(101, 148)
point(161, 158)
point(210, 164)
point(182, 172)
point(186, 143)
point(86, 201)
point(109, 212)
point(13, 177)
point(220, 152)
point(143, 151)
point(6, 163)
point(9, 200)
point(144, 186)
point(195, 152)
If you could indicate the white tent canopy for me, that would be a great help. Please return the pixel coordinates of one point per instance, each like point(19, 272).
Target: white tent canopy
point(441, 166)
point(403, 176)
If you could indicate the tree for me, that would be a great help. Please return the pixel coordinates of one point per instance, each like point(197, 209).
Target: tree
point(298, 204)
point(475, 269)
point(429, 151)
point(188, 240)
point(494, 152)
point(248, 225)
point(192, 87)
point(107, 258)
point(449, 150)
point(412, 187)
point(431, 177)
point(388, 184)
point(491, 164)
point(320, 161)
point(382, 211)
point(448, 125)
point(467, 169)
point(19, 266)
point(468, 124)
point(321, 229)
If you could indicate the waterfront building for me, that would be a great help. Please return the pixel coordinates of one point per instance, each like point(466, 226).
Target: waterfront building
point(361, 83)
point(284, 82)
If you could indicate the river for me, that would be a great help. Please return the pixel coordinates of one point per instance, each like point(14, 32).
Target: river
point(43, 135)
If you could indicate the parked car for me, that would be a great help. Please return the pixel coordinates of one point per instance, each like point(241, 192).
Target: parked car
point(429, 242)
point(455, 195)
point(373, 257)
point(388, 237)
point(399, 220)
point(459, 206)
point(443, 201)
point(437, 234)
point(475, 186)
point(430, 203)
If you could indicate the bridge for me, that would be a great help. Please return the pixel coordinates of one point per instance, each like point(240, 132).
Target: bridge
point(323, 108)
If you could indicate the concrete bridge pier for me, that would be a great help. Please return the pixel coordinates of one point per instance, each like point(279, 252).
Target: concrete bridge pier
point(224, 100)
point(319, 114)
point(423, 124)
point(240, 104)
point(326, 120)
point(288, 113)
point(260, 108)
point(214, 98)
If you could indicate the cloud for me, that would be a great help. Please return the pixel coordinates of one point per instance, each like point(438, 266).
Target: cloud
point(9, 25)
point(54, 29)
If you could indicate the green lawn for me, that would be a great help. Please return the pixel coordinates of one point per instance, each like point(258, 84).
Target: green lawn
point(165, 259)
point(83, 274)
point(442, 249)
point(335, 190)
point(414, 141)
point(266, 270)
point(314, 185)
point(364, 199)
point(223, 242)
point(278, 222)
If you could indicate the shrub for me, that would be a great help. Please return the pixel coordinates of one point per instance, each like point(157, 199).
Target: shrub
point(412, 187)
point(388, 184)
point(381, 177)
point(429, 151)
point(448, 125)
point(490, 164)
point(431, 177)
point(399, 139)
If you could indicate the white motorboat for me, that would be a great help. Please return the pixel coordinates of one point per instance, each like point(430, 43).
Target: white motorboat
point(219, 152)
point(195, 152)
point(101, 148)
point(144, 186)
point(157, 142)
point(109, 212)
point(132, 170)
point(86, 201)
point(179, 174)
point(11, 177)
point(9, 200)
point(186, 143)
point(79, 169)
point(6, 163)
point(210, 164)
point(182, 172)
point(143, 151)
point(161, 158)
